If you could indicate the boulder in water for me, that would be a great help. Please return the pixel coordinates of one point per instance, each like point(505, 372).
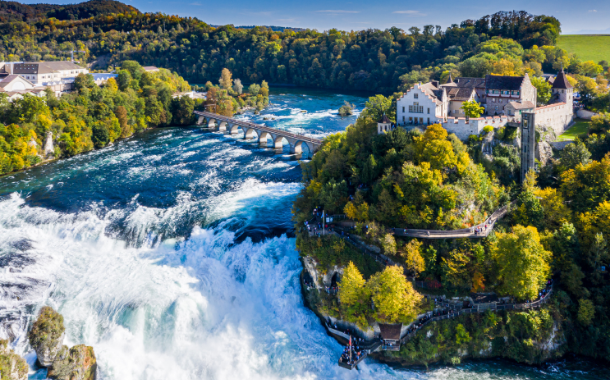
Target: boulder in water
point(47, 335)
point(76, 363)
point(12, 366)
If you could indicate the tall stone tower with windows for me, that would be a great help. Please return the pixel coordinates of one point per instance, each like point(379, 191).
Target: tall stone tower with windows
point(563, 92)
point(528, 143)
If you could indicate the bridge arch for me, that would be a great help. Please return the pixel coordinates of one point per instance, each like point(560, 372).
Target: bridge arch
point(251, 133)
point(264, 136)
point(278, 142)
point(299, 145)
point(211, 122)
point(223, 126)
point(235, 129)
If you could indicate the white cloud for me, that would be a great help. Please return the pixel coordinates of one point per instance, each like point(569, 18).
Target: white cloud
point(196, 4)
point(337, 11)
point(593, 11)
point(410, 13)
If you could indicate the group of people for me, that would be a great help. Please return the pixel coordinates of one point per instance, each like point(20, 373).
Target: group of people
point(331, 289)
point(480, 230)
point(351, 353)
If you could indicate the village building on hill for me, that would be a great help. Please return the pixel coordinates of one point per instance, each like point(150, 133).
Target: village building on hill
point(19, 78)
point(503, 97)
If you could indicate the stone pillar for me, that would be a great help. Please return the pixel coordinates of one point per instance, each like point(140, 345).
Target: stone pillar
point(528, 143)
point(200, 120)
point(49, 150)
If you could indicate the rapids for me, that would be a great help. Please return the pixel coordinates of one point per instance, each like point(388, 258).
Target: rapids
point(171, 254)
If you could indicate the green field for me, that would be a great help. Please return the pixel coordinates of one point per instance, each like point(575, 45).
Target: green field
point(579, 129)
point(588, 47)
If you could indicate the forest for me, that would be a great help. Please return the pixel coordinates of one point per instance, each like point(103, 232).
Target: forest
point(92, 116)
point(14, 11)
point(382, 61)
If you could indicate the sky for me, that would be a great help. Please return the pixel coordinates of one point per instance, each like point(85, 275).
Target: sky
point(588, 16)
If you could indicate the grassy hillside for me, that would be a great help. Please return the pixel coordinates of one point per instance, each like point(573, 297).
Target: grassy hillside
point(587, 47)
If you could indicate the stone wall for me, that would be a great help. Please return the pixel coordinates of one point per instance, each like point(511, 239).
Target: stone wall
point(584, 114)
point(557, 116)
point(464, 128)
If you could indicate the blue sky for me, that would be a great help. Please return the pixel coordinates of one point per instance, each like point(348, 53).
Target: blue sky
point(575, 16)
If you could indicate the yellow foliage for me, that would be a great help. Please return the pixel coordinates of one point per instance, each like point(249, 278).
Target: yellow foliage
point(556, 211)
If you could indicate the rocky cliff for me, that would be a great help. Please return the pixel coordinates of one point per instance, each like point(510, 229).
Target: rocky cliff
point(76, 363)
point(12, 366)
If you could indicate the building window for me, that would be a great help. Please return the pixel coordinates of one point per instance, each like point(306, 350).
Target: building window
point(415, 96)
point(416, 108)
point(403, 118)
point(428, 120)
point(428, 111)
point(410, 120)
point(403, 109)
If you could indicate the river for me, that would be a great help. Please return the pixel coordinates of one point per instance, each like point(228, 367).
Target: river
point(171, 254)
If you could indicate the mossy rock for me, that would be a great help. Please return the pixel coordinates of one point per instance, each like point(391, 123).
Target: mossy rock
point(47, 335)
point(76, 363)
point(12, 366)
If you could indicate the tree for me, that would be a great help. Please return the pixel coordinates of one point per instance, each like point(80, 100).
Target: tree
point(413, 257)
point(226, 81)
point(461, 335)
point(586, 311)
point(264, 91)
point(434, 147)
point(522, 261)
point(472, 109)
point(389, 244)
point(544, 90)
point(574, 154)
point(254, 89)
point(237, 86)
point(600, 123)
point(529, 210)
point(379, 105)
point(182, 110)
point(351, 287)
point(393, 296)
point(555, 210)
point(121, 114)
point(124, 79)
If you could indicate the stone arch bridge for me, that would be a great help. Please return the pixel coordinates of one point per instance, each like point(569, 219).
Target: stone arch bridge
point(260, 133)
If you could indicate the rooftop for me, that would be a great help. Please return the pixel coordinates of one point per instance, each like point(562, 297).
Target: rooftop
point(44, 67)
point(561, 81)
point(501, 82)
point(390, 332)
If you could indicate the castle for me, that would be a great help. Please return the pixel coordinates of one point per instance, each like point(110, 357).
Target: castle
point(504, 98)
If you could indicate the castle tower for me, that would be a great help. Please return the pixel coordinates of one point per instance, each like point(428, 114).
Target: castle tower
point(528, 143)
point(384, 125)
point(562, 89)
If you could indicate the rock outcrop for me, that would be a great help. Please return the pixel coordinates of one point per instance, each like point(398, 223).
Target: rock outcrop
point(12, 366)
point(544, 152)
point(47, 335)
point(76, 363)
point(49, 150)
